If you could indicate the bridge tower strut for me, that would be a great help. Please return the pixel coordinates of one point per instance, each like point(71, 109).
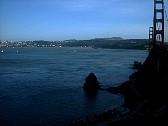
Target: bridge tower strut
point(150, 35)
point(158, 22)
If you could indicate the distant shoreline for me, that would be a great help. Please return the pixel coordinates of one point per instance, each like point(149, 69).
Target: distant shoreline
point(104, 43)
point(75, 47)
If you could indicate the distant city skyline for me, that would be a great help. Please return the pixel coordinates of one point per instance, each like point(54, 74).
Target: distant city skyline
point(74, 19)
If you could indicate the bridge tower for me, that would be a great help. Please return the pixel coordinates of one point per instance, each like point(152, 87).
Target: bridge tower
point(150, 35)
point(158, 22)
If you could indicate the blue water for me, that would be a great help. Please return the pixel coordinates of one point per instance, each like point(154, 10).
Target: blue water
point(42, 86)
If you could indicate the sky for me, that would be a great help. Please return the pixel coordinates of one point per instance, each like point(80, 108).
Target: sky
point(74, 19)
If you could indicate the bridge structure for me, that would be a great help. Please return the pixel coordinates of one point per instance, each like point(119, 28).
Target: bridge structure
point(157, 31)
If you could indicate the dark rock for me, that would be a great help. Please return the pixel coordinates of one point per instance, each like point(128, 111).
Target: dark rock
point(137, 65)
point(145, 94)
point(91, 83)
point(147, 88)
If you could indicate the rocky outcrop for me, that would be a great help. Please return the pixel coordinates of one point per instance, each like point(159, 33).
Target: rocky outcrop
point(91, 83)
point(137, 65)
point(145, 93)
point(151, 82)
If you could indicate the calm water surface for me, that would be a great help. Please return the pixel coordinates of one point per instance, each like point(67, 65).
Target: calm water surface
point(42, 86)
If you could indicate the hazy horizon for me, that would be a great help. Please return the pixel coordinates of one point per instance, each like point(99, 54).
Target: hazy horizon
point(71, 39)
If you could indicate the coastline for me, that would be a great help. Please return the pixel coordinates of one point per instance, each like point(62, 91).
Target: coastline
point(145, 95)
point(78, 47)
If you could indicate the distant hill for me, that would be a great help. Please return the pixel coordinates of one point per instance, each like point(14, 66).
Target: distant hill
point(111, 43)
point(113, 38)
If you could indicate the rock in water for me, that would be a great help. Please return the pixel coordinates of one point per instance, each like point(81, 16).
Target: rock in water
point(91, 83)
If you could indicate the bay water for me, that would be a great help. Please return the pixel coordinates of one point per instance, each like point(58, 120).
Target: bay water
point(43, 86)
